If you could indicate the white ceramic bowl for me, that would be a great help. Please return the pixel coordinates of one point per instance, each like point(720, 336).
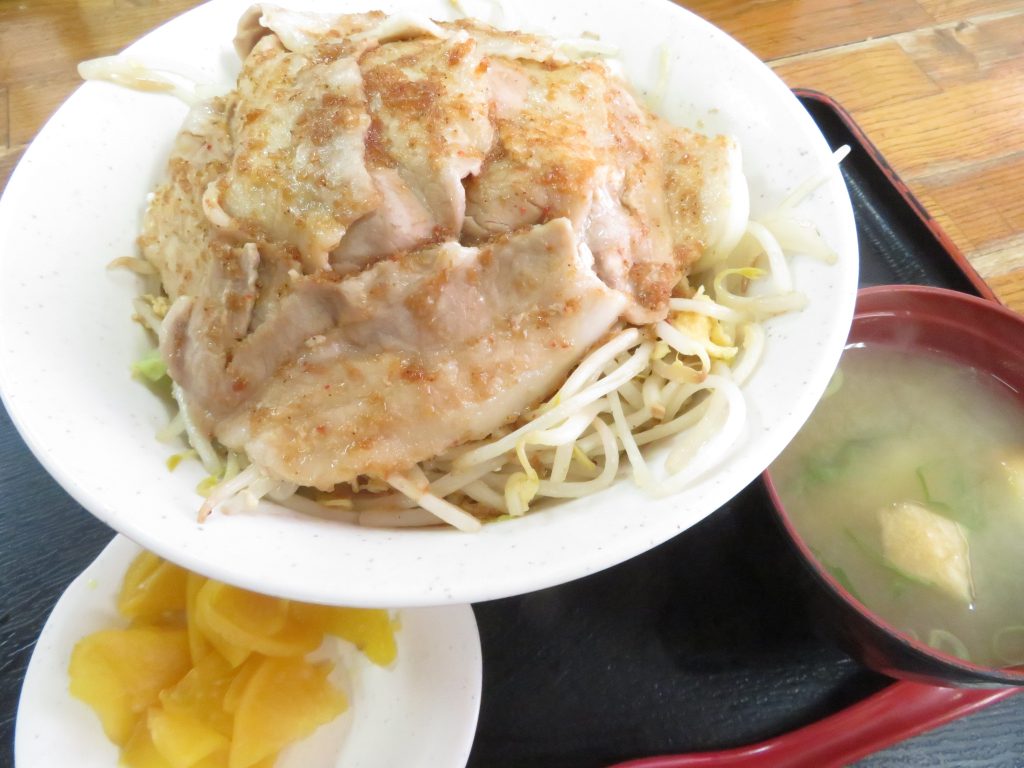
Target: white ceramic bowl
point(66, 340)
point(419, 713)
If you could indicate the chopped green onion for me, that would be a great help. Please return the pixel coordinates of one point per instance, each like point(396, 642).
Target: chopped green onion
point(949, 492)
point(150, 367)
point(825, 469)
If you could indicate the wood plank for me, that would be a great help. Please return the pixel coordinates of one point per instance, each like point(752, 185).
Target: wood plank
point(955, 10)
point(47, 40)
point(8, 159)
point(5, 120)
point(860, 78)
point(969, 51)
point(951, 130)
point(944, 219)
point(776, 28)
point(33, 103)
point(986, 202)
point(999, 258)
point(1010, 289)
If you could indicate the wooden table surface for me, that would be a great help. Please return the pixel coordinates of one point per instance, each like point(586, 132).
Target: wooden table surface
point(938, 85)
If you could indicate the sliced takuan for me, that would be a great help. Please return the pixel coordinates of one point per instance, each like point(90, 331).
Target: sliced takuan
point(120, 673)
point(152, 589)
point(286, 700)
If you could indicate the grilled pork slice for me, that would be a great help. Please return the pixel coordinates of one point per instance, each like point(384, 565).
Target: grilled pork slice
point(705, 191)
point(572, 142)
point(176, 235)
point(298, 174)
point(552, 148)
point(628, 223)
point(500, 44)
point(200, 331)
point(430, 128)
point(376, 372)
point(301, 31)
point(429, 124)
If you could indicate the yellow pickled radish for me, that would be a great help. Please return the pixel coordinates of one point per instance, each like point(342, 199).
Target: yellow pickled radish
point(286, 700)
point(294, 639)
point(242, 612)
point(234, 654)
point(152, 588)
point(220, 760)
point(200, 693)
point(213, 676)
point(182, 739)
point(120, 673)
point(198, 645)
point(370, 630)
point(233, 694)
point(140, 752)
point(254, 622)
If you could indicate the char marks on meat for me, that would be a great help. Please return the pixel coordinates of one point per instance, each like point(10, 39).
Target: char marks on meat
point(396, 236)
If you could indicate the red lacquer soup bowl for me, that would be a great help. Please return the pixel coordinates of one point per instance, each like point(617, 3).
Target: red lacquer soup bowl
point(967, 330)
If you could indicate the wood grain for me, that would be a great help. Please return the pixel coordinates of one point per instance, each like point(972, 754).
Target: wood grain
point(48, 38)
point(937, 84)
point(988, 48)
point(860, 77)
point(955, 10)
point(945, 105)
point(5, 125)
point(776, 28)
point(1010, 287)
point(32, 103)
point(980, 200)
point(950, 131)
point(8, 160)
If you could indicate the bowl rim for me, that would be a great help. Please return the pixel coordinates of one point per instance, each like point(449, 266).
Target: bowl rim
point(980, 672)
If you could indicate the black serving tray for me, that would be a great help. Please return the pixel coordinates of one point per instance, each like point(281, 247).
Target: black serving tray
point(700, 644)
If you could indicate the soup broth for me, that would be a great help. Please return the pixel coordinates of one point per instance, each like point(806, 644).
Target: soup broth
point(907, 482)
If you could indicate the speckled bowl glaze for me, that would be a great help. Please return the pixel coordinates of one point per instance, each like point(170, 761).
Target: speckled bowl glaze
point(66, 339)
point(973, 332)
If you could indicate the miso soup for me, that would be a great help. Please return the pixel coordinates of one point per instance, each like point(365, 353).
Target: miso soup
point(907, 483)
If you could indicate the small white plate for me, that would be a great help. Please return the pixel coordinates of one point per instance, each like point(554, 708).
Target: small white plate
point(67, 341)
point(420, 712)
